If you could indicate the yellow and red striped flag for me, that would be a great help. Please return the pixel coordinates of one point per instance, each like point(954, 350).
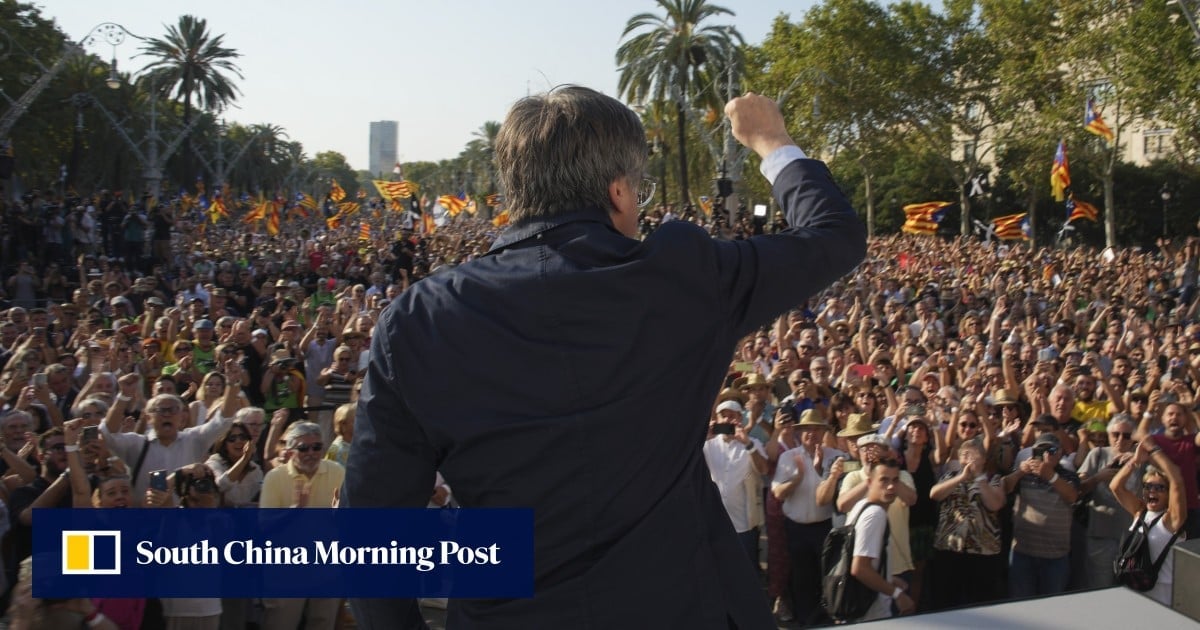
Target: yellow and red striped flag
point(1080, 209)
point(394, 190)
point(216, 209)
point(364, 231)
point(427, 222)
point(334, 222)
point(500, 220)
point(306, 201)
point(1060, 173)
point(470, 208)
point(272, 218)
point(348, 208)
point(494, 200)
point(453, 204)
point(1012, 227)
point(1095, 124)
point(706, 205)
point(335, 192)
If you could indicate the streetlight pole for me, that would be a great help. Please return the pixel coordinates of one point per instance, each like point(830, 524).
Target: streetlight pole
point(1166, 199)
point(111, 32)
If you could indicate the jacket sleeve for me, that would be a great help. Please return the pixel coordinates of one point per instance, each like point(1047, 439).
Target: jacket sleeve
point(391, 464)
point(765, 275)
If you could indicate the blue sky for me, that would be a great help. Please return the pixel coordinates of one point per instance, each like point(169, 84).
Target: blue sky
point(325, 70)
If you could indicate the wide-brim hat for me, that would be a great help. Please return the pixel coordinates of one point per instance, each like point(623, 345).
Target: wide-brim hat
point(730, 393)
point(857, 424)
point(1003, 397)
point(751, 380)
point(812, 418)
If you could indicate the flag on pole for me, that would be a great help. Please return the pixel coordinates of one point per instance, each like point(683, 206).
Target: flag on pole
point(216, 209)
point(394, 190)
point(334, 222)
point(335, 192)
point(1060, 173)
point(348, 208)
point(923, 218)
point(1012, 227)
point(1079, 209)
point(706, 205)
point(1095, 124)
point(272, 218)
point(454, 204)
point(306, 201)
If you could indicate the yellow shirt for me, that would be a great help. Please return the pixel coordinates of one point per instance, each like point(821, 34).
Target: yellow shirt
point(1085, 412)
point(279, 486)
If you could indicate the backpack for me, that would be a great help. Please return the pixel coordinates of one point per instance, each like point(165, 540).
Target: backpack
point(1133, 567)
point(842, 595)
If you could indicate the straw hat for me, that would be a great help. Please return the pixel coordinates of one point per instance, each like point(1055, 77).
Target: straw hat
point(857, 424)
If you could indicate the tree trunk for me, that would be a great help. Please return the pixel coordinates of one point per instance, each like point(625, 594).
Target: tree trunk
point(964, 206)
point(681, 125)
point(1110, 205)
point(1031, 208)
point(867, 185)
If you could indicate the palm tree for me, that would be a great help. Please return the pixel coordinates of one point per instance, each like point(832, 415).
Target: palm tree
point(665, 59)
point(191, 64)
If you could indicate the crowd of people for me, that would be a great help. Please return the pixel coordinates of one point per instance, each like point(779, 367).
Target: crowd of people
point(1039, 401)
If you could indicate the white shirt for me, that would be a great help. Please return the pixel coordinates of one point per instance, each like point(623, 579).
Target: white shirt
point(730, 463)
point(190, 447)
point(801, 505)
point(1159, 536)
point(868, 542)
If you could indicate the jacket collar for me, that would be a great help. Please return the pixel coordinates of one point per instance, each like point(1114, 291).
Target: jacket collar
point(532, 228)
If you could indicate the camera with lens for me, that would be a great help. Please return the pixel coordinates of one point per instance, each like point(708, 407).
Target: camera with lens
point(1039, 451)
point(185, 483)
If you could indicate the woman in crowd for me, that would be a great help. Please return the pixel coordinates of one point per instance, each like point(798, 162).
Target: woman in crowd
point(967, 563)
point(238, 478)
point(1161, 508)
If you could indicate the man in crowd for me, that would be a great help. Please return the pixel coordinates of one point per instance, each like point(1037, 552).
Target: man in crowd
point(581, 296)
point(870, 542)
point(306, 481)
point(1042, 514)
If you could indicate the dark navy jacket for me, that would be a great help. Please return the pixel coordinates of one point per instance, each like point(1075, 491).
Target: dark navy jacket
point(573, 370)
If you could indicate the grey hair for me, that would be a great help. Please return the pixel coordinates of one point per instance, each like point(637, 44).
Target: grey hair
point(110, 376)
point(246, 412)
point(89, 402)
point(153, 402)
point(299, 430)
point(4, 419)
point(1118, 420)
point(559, 151)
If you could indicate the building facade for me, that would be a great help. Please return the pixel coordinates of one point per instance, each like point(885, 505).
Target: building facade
point(383, 155)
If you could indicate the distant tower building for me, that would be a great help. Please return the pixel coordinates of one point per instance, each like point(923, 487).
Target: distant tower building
point(383, 147)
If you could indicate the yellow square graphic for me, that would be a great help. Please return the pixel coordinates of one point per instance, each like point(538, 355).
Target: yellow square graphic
point(79, 552)
point(83, 549)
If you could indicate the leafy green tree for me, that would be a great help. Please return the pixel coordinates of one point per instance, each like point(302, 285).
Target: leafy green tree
point(193, 66)
point(663, 55)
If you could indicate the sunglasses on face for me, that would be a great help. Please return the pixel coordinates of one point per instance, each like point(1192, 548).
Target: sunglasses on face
point(1121, 435)
point(305, 448)
point(1154, 487)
